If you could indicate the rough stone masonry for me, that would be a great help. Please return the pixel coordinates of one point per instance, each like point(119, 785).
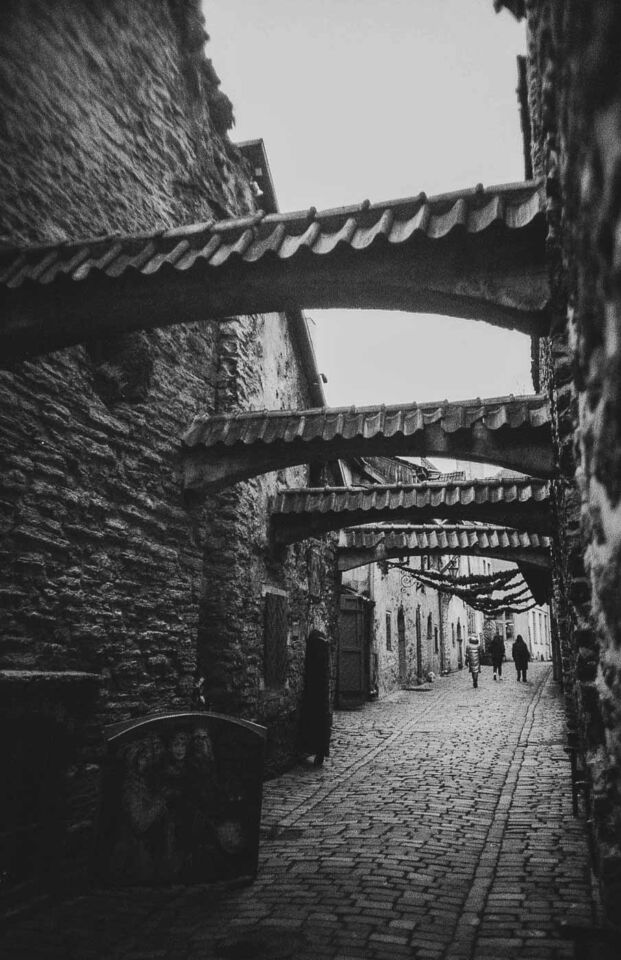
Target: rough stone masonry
point(113, 121)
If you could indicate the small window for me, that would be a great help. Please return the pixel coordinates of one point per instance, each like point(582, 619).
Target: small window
point(275, 632)
point(435, 640)
point(388, 631)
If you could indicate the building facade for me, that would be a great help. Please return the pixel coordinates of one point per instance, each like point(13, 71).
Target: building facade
point(121, 596)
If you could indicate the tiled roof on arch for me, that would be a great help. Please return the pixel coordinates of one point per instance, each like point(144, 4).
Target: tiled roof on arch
point(510, 431)
point(282, 235)
point(360, 546)
point(436, 537)
point(326, 423)
point(520, 502)
point(70, 291)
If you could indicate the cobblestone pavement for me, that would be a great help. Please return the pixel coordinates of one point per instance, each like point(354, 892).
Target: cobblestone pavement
point(440, 828)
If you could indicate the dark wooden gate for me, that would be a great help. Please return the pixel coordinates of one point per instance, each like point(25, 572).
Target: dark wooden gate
point(353, 680)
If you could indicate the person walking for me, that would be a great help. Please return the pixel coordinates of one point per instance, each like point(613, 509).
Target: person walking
point(473, 659)
point(497, 650)
point(521, 656)
point(316, 715)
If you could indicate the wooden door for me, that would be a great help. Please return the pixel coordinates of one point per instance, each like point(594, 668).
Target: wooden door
point(352, 679)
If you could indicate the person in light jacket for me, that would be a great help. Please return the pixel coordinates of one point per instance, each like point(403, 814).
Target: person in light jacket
point(473, 659)
point(521, 656)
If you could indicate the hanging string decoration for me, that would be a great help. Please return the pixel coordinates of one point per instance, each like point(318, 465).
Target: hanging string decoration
point(477, 590)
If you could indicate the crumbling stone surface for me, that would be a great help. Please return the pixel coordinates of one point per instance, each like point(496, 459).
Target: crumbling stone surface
point(113, 121)
point(576, 94)
point(105, 126)
point(257, 370)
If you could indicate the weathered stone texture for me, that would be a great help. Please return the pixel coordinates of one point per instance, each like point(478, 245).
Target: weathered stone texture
point(113, 121)
point(103, 559)
point(574, 57)
point(104, 126)
point(258, 369)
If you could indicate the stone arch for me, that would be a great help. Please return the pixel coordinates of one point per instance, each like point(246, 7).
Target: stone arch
point(477, 254)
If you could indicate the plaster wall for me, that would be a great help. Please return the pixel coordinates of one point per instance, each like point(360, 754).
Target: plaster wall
point(439, 618)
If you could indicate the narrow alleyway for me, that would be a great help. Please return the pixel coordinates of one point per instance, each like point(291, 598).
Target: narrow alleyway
point(441, 827)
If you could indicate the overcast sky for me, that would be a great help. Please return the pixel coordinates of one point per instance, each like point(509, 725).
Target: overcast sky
point(381, 99)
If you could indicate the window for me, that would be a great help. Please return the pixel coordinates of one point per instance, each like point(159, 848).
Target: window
point(313, 561)
point(388, 631)
point(453, 633)
point(275, 631)
point(435, 640)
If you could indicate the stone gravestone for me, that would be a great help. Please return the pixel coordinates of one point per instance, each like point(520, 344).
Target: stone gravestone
point(181, 801)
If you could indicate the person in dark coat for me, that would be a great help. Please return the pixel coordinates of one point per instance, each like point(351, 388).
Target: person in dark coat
point(521, 656)
point(497, 650)
point(316, 717)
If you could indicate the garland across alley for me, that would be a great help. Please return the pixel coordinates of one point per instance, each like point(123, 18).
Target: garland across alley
point(476, 589)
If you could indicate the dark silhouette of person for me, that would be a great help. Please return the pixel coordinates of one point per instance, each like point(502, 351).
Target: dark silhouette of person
point(521, 656)
point(316, 716)
point(497, 650)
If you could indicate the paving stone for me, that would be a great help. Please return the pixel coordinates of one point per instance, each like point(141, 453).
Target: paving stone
point(409, 843)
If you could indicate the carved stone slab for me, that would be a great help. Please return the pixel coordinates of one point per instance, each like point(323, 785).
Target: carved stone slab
point(181, 801)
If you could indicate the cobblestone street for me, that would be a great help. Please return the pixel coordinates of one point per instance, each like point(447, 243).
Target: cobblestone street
point(440, 827)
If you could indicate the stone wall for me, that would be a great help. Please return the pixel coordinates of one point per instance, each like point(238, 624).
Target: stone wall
point(102, 559)
point(113, 121)
point(107, 123)
point(576, 100)
point(259, 371)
